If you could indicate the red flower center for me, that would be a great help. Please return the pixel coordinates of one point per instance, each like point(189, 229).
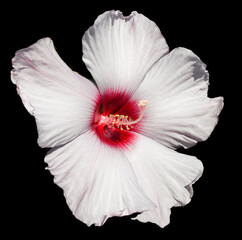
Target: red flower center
point(116, 118)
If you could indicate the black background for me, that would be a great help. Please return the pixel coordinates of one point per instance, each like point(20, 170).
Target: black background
point(33, 205)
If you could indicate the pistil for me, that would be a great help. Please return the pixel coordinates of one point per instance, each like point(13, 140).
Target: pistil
point(122, 121)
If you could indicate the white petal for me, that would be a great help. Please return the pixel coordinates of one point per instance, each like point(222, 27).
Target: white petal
point(165, 176)
point(178, 112)
point(98, 180)
point(62, 101)
point(118, 50)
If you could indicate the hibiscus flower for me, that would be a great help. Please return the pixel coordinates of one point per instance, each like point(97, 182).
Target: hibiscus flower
point(113, 144)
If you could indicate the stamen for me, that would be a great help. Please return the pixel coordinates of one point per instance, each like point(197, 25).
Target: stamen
point(120, 121)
